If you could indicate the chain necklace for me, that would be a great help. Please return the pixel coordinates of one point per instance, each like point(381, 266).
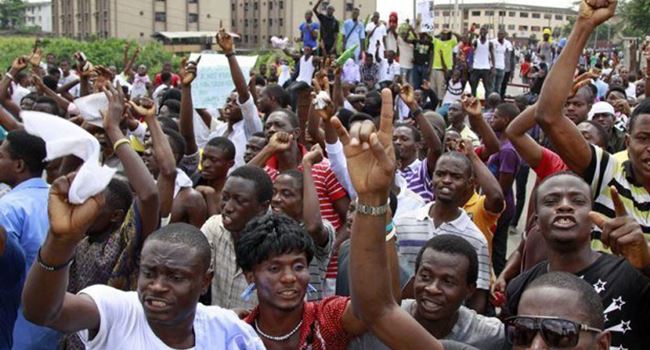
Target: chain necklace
point(280, 338)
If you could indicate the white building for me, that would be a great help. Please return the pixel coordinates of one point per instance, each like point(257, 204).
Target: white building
point(38, 13)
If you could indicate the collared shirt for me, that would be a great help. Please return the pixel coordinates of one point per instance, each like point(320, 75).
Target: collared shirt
point(413, 232)
point(23, 214)
point(485, 220)
point(467, 133)
point(229, 280)
point(418, 179)
point(241, 130)
point(354, 32)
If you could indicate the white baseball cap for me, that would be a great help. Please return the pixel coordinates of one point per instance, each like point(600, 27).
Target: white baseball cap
point(601, 108)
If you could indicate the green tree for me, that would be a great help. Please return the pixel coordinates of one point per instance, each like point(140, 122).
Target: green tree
point(11, 14)
point(636, 16)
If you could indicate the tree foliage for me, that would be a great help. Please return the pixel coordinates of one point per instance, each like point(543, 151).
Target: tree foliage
point(102, 51)
point(636, 16)
point(11, 14)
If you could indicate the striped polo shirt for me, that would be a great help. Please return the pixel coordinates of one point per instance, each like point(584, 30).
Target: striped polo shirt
point(418, 179)
point(604, 171)
point(414, 230)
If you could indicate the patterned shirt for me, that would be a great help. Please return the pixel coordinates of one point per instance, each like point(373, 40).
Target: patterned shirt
point(321, 327)
point(369, 73)
point(418, 179)
point(229, 281)
point(413, 232)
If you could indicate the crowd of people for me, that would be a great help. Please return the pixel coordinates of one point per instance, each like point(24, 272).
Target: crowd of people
point(362, 200)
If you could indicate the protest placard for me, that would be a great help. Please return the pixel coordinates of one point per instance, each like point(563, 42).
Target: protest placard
point(213, 82)
point(424, 11)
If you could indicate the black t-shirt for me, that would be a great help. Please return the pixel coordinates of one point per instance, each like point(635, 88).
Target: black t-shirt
point(625, 293)
point(329, 27)
point(422, 53)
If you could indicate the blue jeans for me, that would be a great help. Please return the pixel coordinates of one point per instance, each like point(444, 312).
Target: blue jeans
point(497, 81)
point(419, 73)
point(406, 75)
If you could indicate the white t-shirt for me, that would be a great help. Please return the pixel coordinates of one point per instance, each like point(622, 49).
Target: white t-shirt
point(378, 34)
point(405, 54)
point(500, 51)
point(630, 91)
point(123, 325)
point(388, 71)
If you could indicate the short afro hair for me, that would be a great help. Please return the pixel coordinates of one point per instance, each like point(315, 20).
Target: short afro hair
point(589, 301)
point(263, 184)
point(223, 144)
point(119, 195)
point(168, 123)
point(417, 137)
point(171, 94)
point(173, 105)
point(295, 175)
point(279, 94)
point(177, 143)
point(641, 108)
point(290, 115)
point(269, 236)
point(461, 157)
point(508, 110)
point(28, 148)
point(187, 235)
point(455, 245)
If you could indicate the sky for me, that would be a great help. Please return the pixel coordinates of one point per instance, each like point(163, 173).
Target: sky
point(404, 8)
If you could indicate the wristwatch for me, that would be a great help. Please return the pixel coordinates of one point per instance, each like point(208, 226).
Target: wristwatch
point(372, 211)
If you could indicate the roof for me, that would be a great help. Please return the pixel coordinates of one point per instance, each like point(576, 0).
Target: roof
point(513, 5)
point(184, 35)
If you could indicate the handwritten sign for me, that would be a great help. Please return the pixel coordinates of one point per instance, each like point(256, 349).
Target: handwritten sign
point(424, 11)
point(213, 82)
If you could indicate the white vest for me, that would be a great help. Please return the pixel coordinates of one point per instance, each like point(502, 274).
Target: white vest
point(306, 69)
point(482, 55)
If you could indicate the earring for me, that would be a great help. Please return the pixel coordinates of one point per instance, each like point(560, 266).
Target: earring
point(246, 294)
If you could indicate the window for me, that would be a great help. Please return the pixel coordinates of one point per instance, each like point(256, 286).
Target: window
point(255, 6)
point(246, 38)
point(511, 27)
point(547, 16)
point(436, 14)
point(476, 13)
point(445, 26)
point(233, 23)
point(512, 14)
point(559, 17)
point(192, 1)
point(536, 15)
point(502, 27)
point(255, 22)
point(436, 26)
point(445, 13)
point(523, 28)
point(193, 18)
point(246, 22)
point(489, 13)
point(233, 7)
point(160, 17)
point(490, 26)
point(281, 4)
point(349, 6)
point(502, 13)
point(281, 20)
point(270, 22)
point(535, 29)
point(523, 14)
point(255, 39)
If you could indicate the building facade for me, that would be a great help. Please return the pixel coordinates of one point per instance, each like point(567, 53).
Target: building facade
point(129, 19)
point(259, 20)
point(519, 21)
point(38, 13)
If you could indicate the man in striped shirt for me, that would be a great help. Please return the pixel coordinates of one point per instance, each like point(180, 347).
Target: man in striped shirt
point(631, 178)
point(453, 181)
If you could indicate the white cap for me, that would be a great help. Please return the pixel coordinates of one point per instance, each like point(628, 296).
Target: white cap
point(600, 108)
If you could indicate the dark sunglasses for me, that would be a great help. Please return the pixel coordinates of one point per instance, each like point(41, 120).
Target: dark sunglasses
point(556, 332)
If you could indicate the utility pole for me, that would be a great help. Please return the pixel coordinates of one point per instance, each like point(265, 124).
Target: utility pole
point(458, 18)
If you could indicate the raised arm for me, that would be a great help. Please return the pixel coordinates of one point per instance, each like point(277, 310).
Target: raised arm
point(45, 300)
point(186, 125)
point(224, 40)
point(527, 148)
point(371, 160)
point(315, 8)
point(472, 106)
point(311, 208)
point(429, 135)
point(568, 142)
point(162, 151)
point(494, 199)
point(42, 88)
point(17, 66)
point(136, 172)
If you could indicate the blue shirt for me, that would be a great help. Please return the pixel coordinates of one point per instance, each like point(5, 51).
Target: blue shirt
point(23, 214)
point(307, 38)
point(352, 33)
point(11, 282)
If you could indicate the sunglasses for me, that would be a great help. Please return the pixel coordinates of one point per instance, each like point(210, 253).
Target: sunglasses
point(556, 332)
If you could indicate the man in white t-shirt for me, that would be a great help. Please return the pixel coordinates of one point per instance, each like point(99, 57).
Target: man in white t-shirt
point(376, 34)
point(164, 313)
point(388, 68)
point(502, 47)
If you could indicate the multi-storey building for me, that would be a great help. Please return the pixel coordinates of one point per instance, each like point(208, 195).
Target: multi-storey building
point(38, 13)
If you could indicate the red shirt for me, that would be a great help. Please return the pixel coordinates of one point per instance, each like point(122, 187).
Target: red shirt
point(175, 80)
point(550, 164)
point(321, 324)
point(525, 68)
